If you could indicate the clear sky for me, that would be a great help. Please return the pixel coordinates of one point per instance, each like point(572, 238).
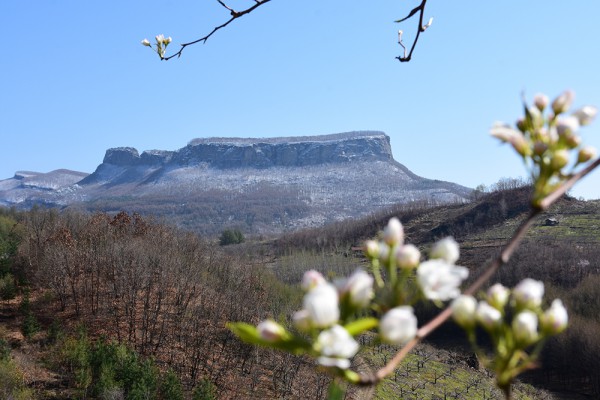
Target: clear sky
point(77, 81)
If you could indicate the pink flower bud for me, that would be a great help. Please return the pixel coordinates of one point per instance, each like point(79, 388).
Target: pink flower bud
point(541, 101)
point(586, 154)
point(270, 331)
point(563, 102)
point(312, 279)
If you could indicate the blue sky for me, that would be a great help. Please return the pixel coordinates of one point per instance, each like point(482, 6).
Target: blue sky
point(76, 80)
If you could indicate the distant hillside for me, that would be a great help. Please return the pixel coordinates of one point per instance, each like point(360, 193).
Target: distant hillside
point(257, 185)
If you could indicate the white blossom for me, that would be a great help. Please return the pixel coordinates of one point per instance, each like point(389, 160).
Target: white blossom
point(497, 296)
point(372, 248)
point(159, 38)
point(439, 280)
point(311, 279)
point(408, 256)
point(489, 317)
point(359, 288)
point(555, 319)
point(321, 303)
point(393, 233)
point(270, 330)
point(586, 114)
point(463, 310)
point(336, 346)
point(528, 293)
point(146, 42)
point(567, 125)
point(398, 325)
point(447, 249)
point(524, 327)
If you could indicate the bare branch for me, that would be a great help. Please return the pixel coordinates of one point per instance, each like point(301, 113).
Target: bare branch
point(234, 15)
point(421, 10)
point(494, 265)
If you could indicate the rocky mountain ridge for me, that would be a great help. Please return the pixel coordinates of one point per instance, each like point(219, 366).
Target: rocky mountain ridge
point(259, 185)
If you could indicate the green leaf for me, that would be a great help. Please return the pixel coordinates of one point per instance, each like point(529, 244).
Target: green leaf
point(246, 332)
point(335, 392)
point(361, 325)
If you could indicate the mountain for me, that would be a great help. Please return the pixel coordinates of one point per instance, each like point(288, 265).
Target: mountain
point(258, 185)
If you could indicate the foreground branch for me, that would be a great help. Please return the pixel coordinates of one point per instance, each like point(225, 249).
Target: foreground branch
point(495, 264)
point(234, 15)
point(421, 28)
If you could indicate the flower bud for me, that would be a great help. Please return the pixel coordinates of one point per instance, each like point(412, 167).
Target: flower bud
point(504, 132)
point(535, 117)
point(563, 102)
point(398, 325)
point(539, 148)
point(586, 154)
point(521, 146)
point(358, 287)
point(168, 40)
point(541, 101)
point(463, 311)
point(565, 125)
point(311, 279)
point(560, 158)
point(528, 294)
point(408, 256)
point(585, 115)
point(146, 42)
point(372, 249)
point(270, 331)
point(393, 233)
point(497, 296)
point(489, 317)
point(555, 319)
point(524, 326)
point(447, 249)
point(440, 280)
point(159, 38)
point(321, 303)
point(521, 125)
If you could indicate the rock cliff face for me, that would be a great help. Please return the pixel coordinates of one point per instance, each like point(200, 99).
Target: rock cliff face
point(226, 153)
point(258, 185)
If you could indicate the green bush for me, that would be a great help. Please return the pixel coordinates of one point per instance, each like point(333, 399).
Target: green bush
point(8, 288)
point(205, 390)
point(170, 387)
point(231, 236)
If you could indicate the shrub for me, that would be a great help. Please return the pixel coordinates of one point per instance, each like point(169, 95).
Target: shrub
point(231, 236)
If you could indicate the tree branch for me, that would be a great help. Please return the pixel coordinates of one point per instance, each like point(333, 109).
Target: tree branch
point(234, 15)
point(494, 265)
point(421, 10)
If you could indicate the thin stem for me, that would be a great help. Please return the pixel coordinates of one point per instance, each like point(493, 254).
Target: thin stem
point(234, 15)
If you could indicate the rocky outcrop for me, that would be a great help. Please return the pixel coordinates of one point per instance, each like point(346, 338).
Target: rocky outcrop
point(226, 153)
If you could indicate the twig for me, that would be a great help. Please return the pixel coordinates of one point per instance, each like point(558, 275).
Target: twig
point(421, 10)
point(502, 259)
point(234, 15)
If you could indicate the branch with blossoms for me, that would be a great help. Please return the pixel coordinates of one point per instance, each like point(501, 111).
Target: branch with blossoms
point(161, 43)
point(334, 313)
point(421, 27)
point(160, 46)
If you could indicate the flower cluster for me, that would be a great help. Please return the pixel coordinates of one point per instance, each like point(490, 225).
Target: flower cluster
point(547, 139)
point(515, 322)
point(161, 44)
point(334, 313)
